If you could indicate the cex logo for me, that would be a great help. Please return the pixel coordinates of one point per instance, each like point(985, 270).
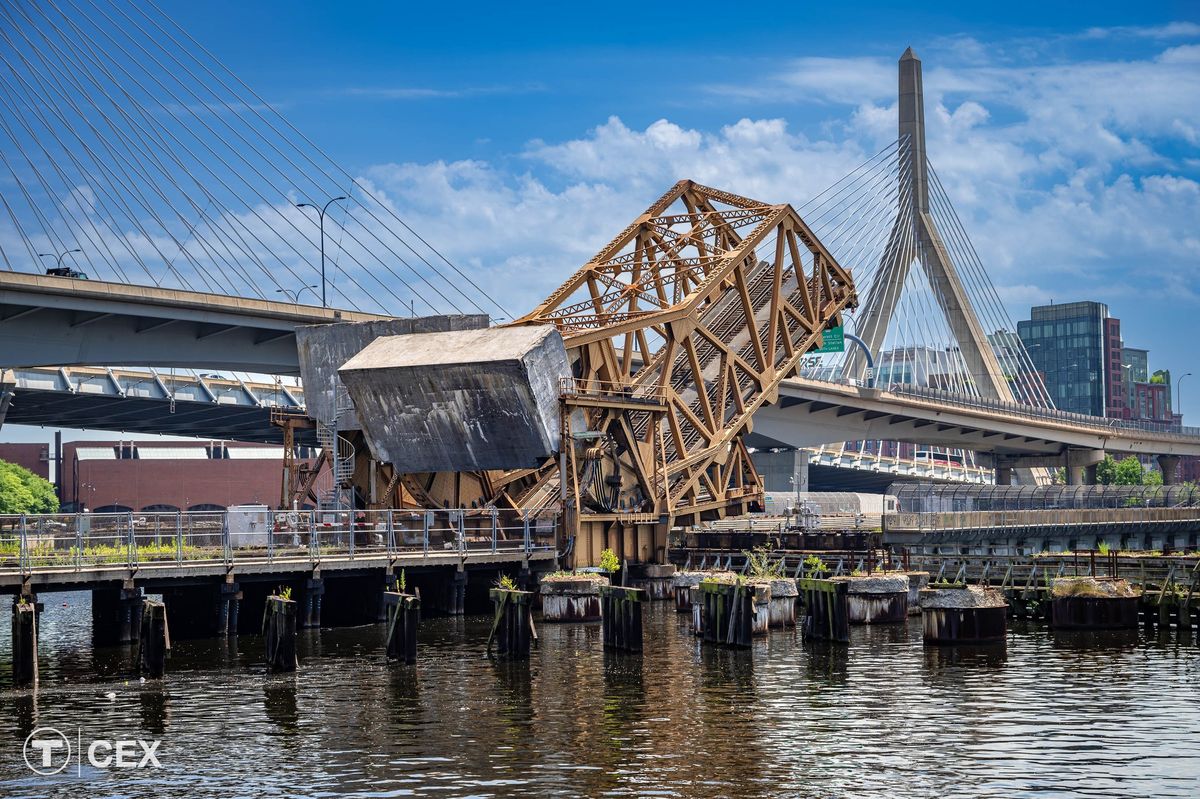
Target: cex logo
point(48, 751)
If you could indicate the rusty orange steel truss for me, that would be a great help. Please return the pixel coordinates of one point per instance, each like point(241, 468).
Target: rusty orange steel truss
point(679, 330)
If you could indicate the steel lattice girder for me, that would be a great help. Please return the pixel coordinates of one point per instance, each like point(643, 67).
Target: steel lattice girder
point(683, 311)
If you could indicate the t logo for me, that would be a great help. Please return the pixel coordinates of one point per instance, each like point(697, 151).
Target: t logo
point(47, 751)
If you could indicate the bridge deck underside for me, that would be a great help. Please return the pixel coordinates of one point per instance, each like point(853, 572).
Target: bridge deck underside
point(148, 415)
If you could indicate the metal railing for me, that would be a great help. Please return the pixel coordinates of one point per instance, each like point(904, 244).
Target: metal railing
point(1097, 423)
point(78, 541)
point(1055, 517)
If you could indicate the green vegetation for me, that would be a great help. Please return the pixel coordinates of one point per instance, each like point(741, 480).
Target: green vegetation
point(1091, 587)
point(43, 552)
point(1126, 472)
point(22, 491)
point(609, 562)
point(506, 583)
point(1103, 548)
point(402, 584)
point(284, 592)
point(760, 566)
point(814, 565)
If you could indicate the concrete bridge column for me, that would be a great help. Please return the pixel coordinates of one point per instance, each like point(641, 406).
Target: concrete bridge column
point(1004, 475)
point(1170, 468)
point(1081, 466)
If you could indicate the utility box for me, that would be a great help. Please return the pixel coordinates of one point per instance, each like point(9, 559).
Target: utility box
point(460, 401)
point(249, 525)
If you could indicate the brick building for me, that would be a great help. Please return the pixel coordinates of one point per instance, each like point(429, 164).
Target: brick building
point(114, 476)
point(34, 457)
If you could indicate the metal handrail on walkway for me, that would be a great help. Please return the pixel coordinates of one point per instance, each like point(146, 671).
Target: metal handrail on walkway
point(72, 542)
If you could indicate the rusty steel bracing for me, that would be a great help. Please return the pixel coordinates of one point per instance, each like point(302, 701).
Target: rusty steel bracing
point(678, 330)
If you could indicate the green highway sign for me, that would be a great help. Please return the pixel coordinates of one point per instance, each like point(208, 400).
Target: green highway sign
point(832, 341)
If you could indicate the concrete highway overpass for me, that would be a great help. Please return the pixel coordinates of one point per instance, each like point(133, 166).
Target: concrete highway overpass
point(809, 413)
point(59, 321)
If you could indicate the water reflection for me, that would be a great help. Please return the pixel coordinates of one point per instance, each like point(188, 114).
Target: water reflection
point(943, 660)
point(1053, 713)
point(154, 703)
point(279, 703)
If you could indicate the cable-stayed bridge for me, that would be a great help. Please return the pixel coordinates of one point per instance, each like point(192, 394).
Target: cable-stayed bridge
point(129, 151)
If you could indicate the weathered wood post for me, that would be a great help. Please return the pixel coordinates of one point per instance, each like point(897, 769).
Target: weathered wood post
point(621, 617)
point(154, 639)
point(403, 616)
point(728, 613)
point(279, 629)
point(512, 627)
point(24, 643)
point(826, 609)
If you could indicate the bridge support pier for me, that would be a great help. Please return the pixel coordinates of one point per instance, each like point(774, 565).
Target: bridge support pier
point(116, 614)
point(1004, 475)
point(314, 594)
point(228, 607)
point(457, 598)
point(1081, 466)
point(1170, 468)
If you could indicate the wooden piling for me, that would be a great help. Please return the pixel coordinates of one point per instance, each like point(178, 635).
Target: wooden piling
point(24, 644)
point(154, 639)
point(621, 617)
point(403, 616)
point(1093, 613)
point(729, 609)
point(826, 609)
point(279, 629)
point(512, 627)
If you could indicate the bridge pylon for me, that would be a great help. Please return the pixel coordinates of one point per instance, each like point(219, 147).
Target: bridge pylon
point(915, 236)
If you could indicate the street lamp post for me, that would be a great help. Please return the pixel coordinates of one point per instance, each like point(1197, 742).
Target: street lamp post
point(58, 259)
point(321, 222)
point(1179, 393)
point(294, 295)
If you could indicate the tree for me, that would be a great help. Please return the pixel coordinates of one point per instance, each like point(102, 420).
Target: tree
point(1106, 471)
point(1129, 472)
point(22, 491)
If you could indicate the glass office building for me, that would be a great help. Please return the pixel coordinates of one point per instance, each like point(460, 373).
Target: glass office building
point(1069, 345)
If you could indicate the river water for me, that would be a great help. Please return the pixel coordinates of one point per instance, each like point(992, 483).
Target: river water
point(1049, 715)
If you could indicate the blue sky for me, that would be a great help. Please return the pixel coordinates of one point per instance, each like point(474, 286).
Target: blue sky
point(519, 140)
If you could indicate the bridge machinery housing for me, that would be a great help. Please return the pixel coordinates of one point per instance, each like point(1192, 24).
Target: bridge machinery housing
point(622, 399)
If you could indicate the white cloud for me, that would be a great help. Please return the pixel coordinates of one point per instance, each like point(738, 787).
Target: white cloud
point(1065, 174)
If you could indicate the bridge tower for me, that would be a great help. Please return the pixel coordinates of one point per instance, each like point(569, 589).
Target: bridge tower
point(914, 222)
